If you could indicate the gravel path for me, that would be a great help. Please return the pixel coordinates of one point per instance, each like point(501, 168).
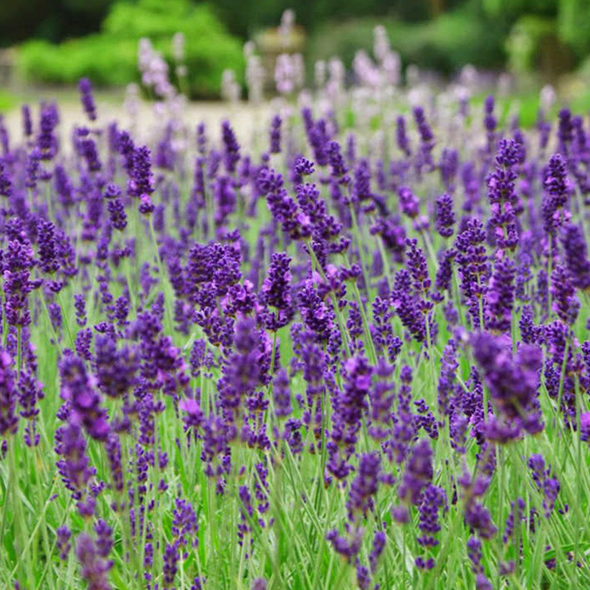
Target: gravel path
point(245, 118)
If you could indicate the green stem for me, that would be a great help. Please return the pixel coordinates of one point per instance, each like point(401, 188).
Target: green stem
point(339, 318)
point(20, 526)
point(163, 277)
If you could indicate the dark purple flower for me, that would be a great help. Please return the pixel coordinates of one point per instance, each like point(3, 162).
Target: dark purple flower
point(74, 465)
point(401, 136)
point(576, 255)
point(585, 426)
point(104, 537)
point(449, 166)
point(347, 548)
point(445, 217)
point(117, 214)
point(282, 394)
point(336, 161)
point(515, 517)
point(317, 136)
point(63, 186)
point(548, 486)
point(418, 268)
point(194, 416)
point(557, 192)
point(477, 516)
point(499, 298)
point(512, 382)
point(446, 380)
point(393, 235)
point(64, 545)
point(418, 473)
point(365, 485)
point(87, 148)
point(114, 456)
point(6, 187)
point(94, 568)
point(379, 540)
point(83, 344)
point(47, 247)
point(424, 156)
point(231, 152)
point(141, 180)
point(275, 135)
point(444, 274)
point(565, 130)
point(87, 98)
point(184, 524)
point(146, 206)
point(303, 167)
point(282, 207)
point(502, 195)
point(27, 121)
point(350, 406)
point(475, 556)
point(434, 499)
point(46, 140)
point(8, 396)
point(243, 371)
point(565, 303)
point(473, 267)
point(30, 392)
point(115, 370)
point(17, 264)
point(407, 306)
point(77, 388)
point(276, 292)
point(408, 202)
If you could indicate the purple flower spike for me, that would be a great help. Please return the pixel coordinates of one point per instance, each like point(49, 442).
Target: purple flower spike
point(576, 256)
point(8, 396)
point(275, 135)
point(94, 568)
point(87, 99)
point(418, 473)
point(513, 384)
point(445, 217)
point(78, 389)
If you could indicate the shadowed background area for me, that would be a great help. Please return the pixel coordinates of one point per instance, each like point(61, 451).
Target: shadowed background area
point(58, 41)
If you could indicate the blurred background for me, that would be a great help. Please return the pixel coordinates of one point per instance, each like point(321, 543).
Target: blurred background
point(52, 43)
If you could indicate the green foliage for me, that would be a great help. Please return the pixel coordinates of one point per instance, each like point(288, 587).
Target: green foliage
point(246, 17)
point(525, 40)
point(110, 57)
point(444, 44)
point(105, 62)
point(52, 20)
point(570, 19)
point(7, 101)
point(574, 24)
point(515, 8)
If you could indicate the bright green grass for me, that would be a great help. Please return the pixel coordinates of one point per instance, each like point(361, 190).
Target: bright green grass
point(7, 101)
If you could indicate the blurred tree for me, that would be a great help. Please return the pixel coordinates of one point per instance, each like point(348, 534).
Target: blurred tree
point(53, 20)
point(245, 17)
point(546, 34)
point(461, 35)
point(571, 18)
point(573, 24)
point(109, 57)
point(515, 8)
point(56, 20)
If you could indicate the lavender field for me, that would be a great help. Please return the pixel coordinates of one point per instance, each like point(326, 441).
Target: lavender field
point(347, 349)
